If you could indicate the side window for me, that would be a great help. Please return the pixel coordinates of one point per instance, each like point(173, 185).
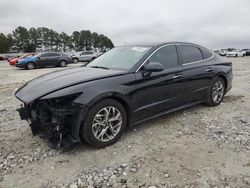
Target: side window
point(167, 56)
point(44, 55)
point(206, 53)
point(190, 54)
point(55, 54)
point(50, 54)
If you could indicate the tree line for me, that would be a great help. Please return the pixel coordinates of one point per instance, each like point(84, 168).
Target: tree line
point(44, 39)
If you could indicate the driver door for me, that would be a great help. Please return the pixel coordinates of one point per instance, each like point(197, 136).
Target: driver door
point(159, 91)
point(43, 60)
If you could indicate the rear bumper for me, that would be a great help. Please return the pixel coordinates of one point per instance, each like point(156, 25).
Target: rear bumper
point(229, 81)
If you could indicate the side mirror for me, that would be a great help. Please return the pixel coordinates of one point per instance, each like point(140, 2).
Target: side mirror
point(154, 67)
point(38, 57)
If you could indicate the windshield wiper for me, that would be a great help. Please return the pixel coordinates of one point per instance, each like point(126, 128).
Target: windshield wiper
point(99, 67)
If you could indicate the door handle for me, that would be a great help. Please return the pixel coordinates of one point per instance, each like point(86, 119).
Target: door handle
point(209, 69)
point(177, 76)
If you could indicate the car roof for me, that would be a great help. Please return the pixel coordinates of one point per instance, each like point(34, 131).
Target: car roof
point(158, 44)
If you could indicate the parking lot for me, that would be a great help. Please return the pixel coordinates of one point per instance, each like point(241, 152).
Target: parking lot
point(196, 147)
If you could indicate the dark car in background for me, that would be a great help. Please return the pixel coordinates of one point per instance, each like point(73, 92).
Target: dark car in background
point(247, 52)
point(125, 86)
point(45, 59)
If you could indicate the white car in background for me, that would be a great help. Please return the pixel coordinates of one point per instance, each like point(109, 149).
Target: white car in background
point(236, 53)
point(84, 56)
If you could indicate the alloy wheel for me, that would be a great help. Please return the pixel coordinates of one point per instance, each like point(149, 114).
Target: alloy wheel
point(107, 124)
point(30, 66)
point(217, 92)
point(63, 64)
point(75, 60)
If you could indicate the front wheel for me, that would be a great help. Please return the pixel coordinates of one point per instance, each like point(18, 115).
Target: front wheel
point(216, 92)
point(30, 66)
point(62, 63)
point(104, 123)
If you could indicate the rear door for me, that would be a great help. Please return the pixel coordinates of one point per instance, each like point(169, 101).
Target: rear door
point(53, 59)
point(81, 56)
point(88, 56)
point(159, 91)
point(197, 71)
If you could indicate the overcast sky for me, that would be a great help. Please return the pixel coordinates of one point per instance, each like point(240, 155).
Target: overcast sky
point(212, 23)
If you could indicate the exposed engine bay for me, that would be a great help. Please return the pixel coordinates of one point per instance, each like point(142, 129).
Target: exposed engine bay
point(54, 119)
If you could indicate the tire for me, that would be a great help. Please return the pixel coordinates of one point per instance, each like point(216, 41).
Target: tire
point(30, 66)
point(63, 63)
point(236, 55)
point(75, 60)
point(211, 99)
point(96, 116)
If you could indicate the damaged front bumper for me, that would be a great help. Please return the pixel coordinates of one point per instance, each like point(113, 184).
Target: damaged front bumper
point(54, 120)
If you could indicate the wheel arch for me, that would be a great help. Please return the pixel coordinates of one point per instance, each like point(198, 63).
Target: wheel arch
point(223, 77)
point(30, 62)
point(115, 96)
point(75, 132)
point(62, 60)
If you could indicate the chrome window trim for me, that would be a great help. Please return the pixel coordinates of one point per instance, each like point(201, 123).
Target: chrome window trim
point(194, 62)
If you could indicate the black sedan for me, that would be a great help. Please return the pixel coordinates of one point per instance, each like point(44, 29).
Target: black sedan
point(123, 87)
point(44, 59)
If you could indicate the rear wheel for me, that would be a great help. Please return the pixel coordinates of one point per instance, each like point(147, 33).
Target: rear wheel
point(216, 92)
point(75, 60)
point(104, 123)
point(62, 63)
point(30, 66)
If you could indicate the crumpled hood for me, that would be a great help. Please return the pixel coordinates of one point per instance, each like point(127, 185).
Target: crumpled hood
point(49, 83)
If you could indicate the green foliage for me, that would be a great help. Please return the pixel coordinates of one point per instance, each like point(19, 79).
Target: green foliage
point(4, 43)
point(22, 39)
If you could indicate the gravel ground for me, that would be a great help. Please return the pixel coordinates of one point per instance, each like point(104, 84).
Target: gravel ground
point(196, 147)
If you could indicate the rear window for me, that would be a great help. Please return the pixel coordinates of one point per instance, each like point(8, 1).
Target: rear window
point(190, 54)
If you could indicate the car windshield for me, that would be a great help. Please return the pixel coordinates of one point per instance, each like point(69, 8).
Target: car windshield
point(121, 58)
point(26, 55)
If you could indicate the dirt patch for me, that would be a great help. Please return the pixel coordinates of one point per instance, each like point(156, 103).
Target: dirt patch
point(231, 98)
